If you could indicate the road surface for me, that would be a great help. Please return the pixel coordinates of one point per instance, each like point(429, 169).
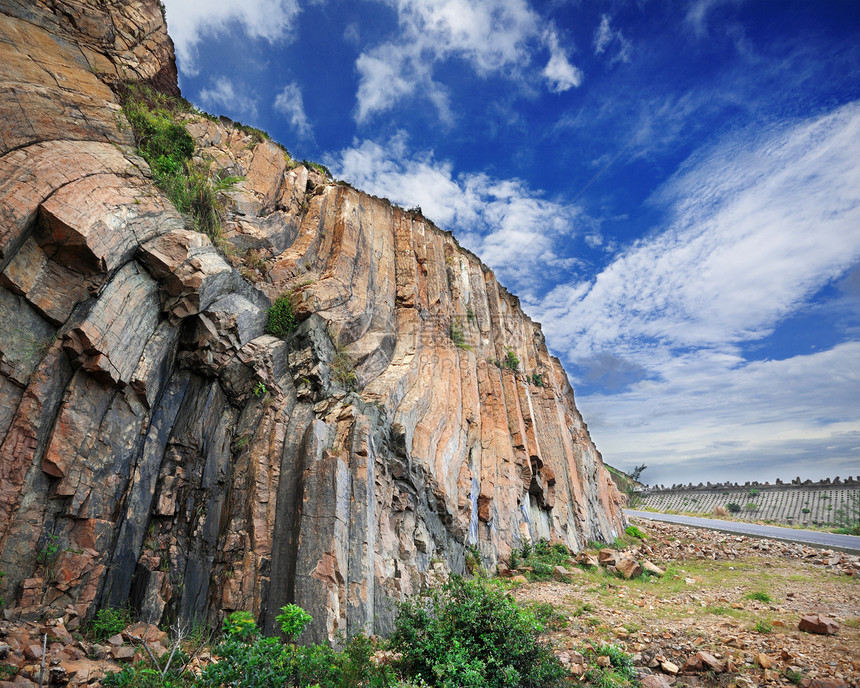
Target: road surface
point(845, 543)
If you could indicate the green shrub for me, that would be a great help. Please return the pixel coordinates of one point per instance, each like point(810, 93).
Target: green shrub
point(760, 596)
point(240, 626)
point(470, 634)
point(634, 531)
point(458, 337)
point(753, 493)
point(620, 672)
point(537, 380)
point(280, 319)
point(763, 626)
point(167, 147)
point(733, 507)
point(511, 361)
point(106, 623)
point(293, 620)
point(249, 660)
point(142, 675)
point(751, 506)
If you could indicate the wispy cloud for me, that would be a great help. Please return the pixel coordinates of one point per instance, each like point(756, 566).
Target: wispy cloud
point(755, 227)
point(510, 225)
point(223, 95)
point(189, 21)
point(697, 14)
point(289, 102)
point(492, 36)
point(755, 230)
point(605, 37)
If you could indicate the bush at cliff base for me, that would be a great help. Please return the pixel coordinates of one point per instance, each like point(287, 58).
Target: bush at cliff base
point(471, 634)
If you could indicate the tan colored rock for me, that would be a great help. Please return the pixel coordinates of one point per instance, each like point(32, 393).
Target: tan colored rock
point(652, 568)
point(628, 567)
point(607, 556)
point(764, 661)
point(669, 667)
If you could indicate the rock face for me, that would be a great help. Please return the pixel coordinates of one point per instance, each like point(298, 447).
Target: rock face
point(157, 447)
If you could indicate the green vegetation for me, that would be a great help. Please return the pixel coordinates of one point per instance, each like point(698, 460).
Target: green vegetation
point(794, 676)
point(619, 674)
point(847, 517)
point(537, 380)
point(753, 493)
point(280, 319)
point(164, 143)
point(751, 506)
point(457, 336)
point(733, 507)
point(760, 596)
point(635, 531)
point(511, 362)
point(541, 558)
point(763, 626)
point(106, 623)
point(471, 634)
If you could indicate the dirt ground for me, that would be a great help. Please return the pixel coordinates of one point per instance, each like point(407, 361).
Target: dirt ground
point(705, 602)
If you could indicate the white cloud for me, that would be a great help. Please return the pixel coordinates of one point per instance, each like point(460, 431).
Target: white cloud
point(757, 226)
point(492, 36)
point(722, 419)
point(509, 225)
point(561, 75)
point(223, 94)
point(189, 21)
point(289, 103)
point(605, 36)
point(755, 230)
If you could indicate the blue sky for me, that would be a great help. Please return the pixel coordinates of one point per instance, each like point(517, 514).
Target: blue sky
point(672, 188)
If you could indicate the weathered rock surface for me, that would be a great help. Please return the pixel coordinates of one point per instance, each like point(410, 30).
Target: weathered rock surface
point(157, 447)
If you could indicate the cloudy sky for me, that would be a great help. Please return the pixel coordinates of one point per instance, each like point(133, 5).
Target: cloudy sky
point(672, 187)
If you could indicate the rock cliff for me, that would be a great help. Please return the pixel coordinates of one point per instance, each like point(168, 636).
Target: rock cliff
point(158, 448)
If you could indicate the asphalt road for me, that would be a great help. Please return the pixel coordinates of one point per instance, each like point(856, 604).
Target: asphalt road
point(845, 543)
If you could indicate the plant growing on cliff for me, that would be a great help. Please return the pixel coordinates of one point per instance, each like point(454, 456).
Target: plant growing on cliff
point(106, 623)
point(511, 361)
point(471, 634)
point(733, 507)
point(537, 380)
point(457, 336)
point(280, 319)
point(165, 144)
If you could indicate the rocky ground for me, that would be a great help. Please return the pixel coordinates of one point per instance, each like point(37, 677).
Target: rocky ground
point(694, 621)
point(700, 624)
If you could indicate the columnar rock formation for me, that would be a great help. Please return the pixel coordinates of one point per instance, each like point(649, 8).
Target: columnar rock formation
point(157, 447)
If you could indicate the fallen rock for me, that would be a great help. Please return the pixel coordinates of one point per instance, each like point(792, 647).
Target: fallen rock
point(652, 568)
point(587, 559)
point(669, 667)
point(628, 567)
point(764, 661)
point(654, 681)
point(607, 557)
point(818, 623)
point(703, 661)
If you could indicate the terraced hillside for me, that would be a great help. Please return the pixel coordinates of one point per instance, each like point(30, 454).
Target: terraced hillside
point(806, 504)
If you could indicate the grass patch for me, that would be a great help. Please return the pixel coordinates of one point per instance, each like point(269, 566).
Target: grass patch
point(760, 597)
point(162, 141)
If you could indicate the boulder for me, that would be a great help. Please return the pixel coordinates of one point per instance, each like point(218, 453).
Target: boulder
point(628, 567)
point(818, 623)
